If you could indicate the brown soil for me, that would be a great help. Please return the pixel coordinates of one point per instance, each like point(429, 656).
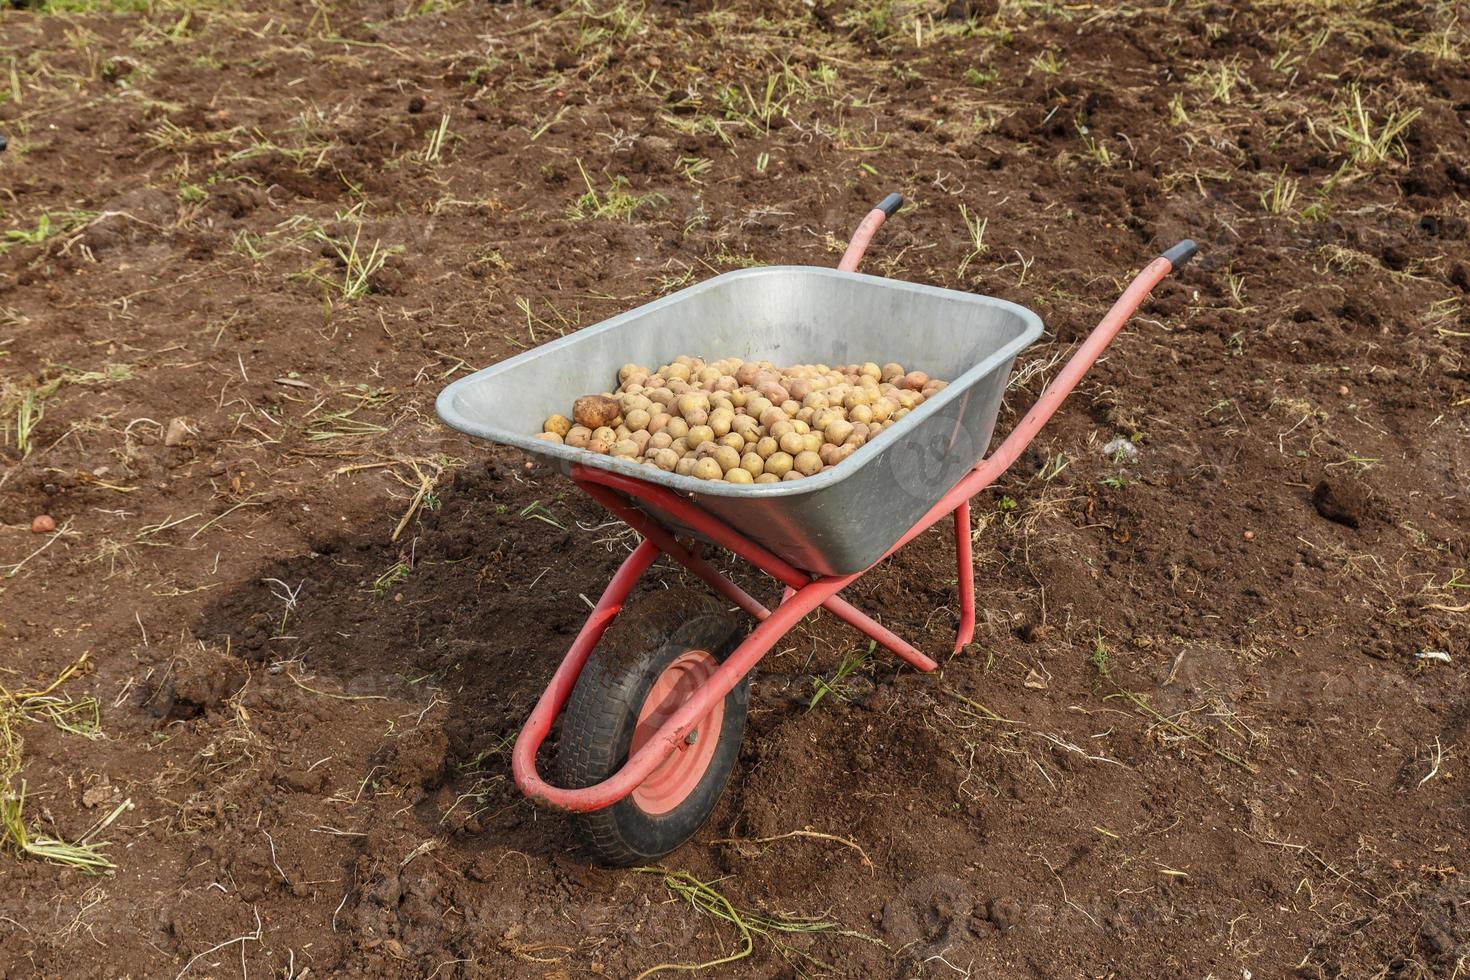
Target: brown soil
point(1208, 743)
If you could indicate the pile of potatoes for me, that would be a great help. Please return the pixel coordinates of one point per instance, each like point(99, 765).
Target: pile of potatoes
point(742, 421)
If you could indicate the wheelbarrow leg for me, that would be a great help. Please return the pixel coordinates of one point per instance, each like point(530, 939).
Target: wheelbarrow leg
point(966, 574)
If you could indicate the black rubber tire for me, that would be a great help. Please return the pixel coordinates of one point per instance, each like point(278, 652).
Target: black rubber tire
point(597, 727)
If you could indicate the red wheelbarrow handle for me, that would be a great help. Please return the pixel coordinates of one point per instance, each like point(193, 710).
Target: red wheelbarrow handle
point(613, 490)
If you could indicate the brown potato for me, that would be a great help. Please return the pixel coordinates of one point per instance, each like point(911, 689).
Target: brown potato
point(595, 411)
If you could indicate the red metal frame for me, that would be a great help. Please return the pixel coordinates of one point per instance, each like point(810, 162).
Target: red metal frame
point(803, 593)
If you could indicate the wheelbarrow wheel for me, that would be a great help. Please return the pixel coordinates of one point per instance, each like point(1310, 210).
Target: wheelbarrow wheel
point(657, 652)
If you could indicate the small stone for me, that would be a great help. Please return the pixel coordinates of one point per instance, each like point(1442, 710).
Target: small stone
point(43, 524)
point(1249, 535)
point(1121, 450)
point(1034, 632)
point(95, 796)
point(177, 432)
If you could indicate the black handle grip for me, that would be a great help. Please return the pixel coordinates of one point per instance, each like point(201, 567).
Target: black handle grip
point(1179, 254)
point(890, 204)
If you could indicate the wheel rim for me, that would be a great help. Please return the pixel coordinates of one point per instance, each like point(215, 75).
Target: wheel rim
point(677, 776)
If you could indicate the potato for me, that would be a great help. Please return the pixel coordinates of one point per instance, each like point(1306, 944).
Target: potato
point(605, 434)
point(837, 431)
point(720, 422)
point(811, 441)
point(549, 437)
point(765, 446)
point(660, 440)
point(595, 445)
point(677, 372)
point(891, 371)
point(768, 478)
point(791, 475)
point(807, 463)
point(625, 447)
point(707, 469)
point(578, 436)
point(754, 463)
point(557, 424)
point(728, 458)
point(734, 440)
point(779, 463)
point(871, 370)
point(666, 459)
point(738, 475)
point(676, 427)
point(640, 439)
point(860, 413)
point(792, 443)
point(637, 420)
point(595, 411)
point(699, 434)
point(685, 466)
point(915, 380)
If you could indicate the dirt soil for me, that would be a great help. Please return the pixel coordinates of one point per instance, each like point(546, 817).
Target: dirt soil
point(1214, 721)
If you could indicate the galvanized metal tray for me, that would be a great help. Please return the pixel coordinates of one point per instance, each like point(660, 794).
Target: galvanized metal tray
point(844, 518)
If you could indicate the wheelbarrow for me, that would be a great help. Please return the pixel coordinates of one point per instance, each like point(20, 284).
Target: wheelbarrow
point(655, 704)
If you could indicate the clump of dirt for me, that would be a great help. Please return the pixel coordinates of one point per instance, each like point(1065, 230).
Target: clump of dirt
point(1347, 503)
